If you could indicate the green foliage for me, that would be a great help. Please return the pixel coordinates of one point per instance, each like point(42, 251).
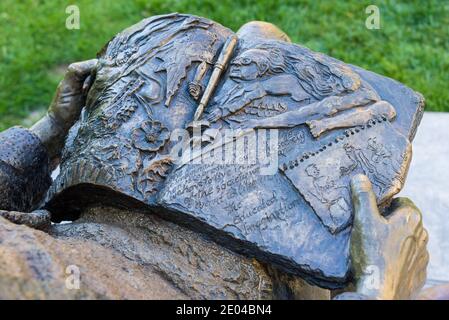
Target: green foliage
point(411, 46)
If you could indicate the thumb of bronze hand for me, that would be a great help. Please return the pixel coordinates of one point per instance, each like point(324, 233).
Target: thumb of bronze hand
point(71, 93)
point(368, 230)
point(366, 212)
point(394, 246)
point(65, 108)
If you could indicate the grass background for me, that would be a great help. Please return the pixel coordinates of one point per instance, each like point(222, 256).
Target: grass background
point(35, 47)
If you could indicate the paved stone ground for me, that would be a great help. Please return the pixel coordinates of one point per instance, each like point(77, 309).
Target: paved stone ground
point(427, 185)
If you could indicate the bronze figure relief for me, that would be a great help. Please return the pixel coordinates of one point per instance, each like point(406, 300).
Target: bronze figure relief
point(333, 121)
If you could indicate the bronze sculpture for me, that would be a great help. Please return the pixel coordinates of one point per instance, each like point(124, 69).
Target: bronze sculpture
point(335, 122)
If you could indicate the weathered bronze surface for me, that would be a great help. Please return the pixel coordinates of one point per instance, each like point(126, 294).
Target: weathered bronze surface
point(388, 252)
point(119, 165)
point(334, 121)
point(24, 170)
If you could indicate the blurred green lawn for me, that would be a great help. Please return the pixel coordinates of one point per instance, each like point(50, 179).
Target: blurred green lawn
point(411, 46)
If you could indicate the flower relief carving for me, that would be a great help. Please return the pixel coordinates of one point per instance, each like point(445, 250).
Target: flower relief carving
point(150, 136)
point(122, 157)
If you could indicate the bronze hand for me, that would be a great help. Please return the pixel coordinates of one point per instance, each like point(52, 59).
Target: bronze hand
point(66, 106)
point(389, 255)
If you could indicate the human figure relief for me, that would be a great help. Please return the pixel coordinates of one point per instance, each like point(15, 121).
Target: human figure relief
point(118, 185)
point(329, 194)
point(380, 154)
point(360, 160)
point(329, 94)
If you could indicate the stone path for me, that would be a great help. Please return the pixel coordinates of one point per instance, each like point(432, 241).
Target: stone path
point(427, 185)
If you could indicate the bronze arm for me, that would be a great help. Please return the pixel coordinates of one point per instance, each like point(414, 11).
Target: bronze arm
point(25, 155)
point(66, 107)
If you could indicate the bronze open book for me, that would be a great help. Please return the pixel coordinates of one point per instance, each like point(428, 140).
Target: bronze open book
point(313, 120)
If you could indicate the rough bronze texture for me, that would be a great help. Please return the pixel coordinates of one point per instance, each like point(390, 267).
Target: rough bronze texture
point(24, 170)
point(333, 121)
point(129, 255)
